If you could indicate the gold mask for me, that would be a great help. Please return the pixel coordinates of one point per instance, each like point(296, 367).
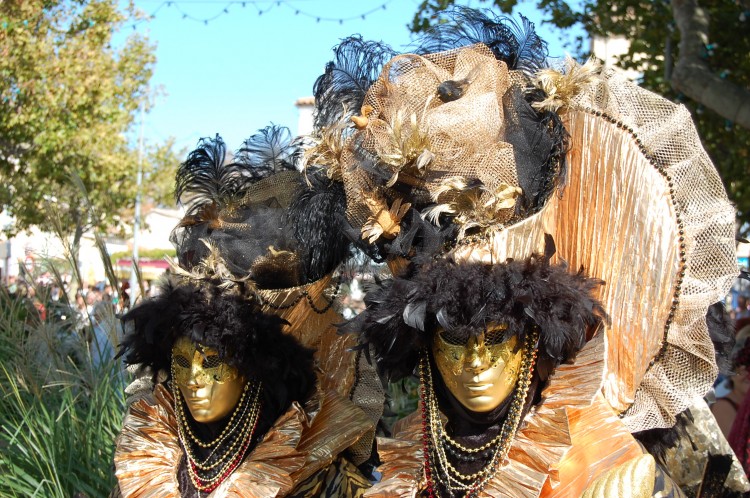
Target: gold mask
point(210, 387)
point(481, 372)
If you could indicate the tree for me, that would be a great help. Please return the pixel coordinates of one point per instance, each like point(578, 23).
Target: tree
point(159, 173)
point(688, 51)
point(68, 95)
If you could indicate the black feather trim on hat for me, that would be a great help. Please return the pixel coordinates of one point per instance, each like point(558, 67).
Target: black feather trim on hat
point(270, 150)
point(205, 180)
point(244, 337)
point(340, 90)
point(464, 298)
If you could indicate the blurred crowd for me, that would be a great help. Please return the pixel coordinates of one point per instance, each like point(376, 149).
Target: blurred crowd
point(78, 315)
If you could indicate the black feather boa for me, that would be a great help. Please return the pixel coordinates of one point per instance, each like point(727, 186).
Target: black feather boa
point(243, 336)
point(402, 314)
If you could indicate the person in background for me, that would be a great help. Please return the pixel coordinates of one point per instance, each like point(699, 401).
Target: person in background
point(732, 412)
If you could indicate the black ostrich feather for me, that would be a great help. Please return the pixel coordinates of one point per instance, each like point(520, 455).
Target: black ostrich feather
point(268, 151)
point(516, 44)
point(205, 178)
point(316, 215)
point(340, 90)
point(540, 143)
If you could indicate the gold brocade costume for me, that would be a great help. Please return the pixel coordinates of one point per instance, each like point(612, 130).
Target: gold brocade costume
point(250, 291)
point(482, 177)
point(658, 229)
point(298, 456)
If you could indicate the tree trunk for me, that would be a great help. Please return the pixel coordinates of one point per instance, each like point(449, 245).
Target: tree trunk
point(694, 78)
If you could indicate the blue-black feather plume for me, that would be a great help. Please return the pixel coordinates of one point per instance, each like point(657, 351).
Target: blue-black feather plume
point(516, 44)
point(340, 91)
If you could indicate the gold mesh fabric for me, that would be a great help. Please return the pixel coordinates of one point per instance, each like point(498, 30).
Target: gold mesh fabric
point(276, 191)
point(368, 394)
point(464, 137)
point(644, 210)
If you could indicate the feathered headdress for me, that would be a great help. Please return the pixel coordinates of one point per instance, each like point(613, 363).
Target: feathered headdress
point(402, 144)
point(252, 222)
point(465, 298)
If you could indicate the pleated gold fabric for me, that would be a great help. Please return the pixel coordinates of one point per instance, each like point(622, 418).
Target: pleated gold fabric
point(644, 210)
point(302, 443)
point(337, 367)
point(148, 452)
point(564, 443)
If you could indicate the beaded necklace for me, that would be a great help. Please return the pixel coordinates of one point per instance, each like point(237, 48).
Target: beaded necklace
point(437, 444)
point(228, 448)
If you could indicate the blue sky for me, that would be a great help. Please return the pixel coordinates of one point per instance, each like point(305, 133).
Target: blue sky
point(241, 71)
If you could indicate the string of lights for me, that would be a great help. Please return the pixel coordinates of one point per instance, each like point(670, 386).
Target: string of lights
point(260, 6)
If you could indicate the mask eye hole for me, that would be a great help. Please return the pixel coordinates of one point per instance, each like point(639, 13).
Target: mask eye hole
point(181, 361)
point(495, 336)
point(212, 361)
point(453, 339)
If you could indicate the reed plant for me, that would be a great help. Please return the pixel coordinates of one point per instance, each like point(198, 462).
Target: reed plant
point(60, 410)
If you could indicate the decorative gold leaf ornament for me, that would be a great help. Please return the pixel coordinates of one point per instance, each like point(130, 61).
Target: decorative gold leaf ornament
point(329, 146)
point(471, 203)
point(383, 222)
point(209, 213)
point(562, 87)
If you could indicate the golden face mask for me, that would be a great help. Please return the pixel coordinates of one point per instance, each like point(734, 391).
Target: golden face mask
point(480, 372)
point(211, 388)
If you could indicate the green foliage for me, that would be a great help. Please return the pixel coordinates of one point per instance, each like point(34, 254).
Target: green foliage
point(654, 39)
point(67, 99)
point(159, 173)
point(59, 411)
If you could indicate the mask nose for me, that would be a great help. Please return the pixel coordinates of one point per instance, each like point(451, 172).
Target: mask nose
point(196, 369)
point(477, 359)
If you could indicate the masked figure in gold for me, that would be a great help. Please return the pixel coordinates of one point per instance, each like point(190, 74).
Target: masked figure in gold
point(555, 239)
point(234, 402)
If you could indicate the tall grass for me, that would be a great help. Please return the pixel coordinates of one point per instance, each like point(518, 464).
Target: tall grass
point(59, 412)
